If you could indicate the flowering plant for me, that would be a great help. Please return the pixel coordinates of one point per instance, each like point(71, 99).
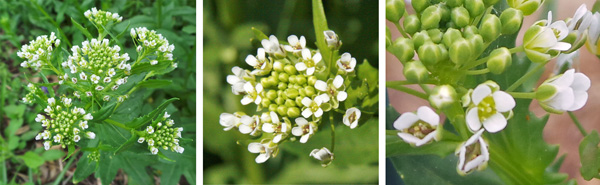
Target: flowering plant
point(94, 105)
point(299, 91)
point(462, 54)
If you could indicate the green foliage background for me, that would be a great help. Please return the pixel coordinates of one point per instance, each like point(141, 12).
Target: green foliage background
point(227, 34)
point(21, 21)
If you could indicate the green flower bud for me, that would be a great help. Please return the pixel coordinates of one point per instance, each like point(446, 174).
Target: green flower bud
point(301, 79)
point(277, 66)
point(282, 94)
point(284, 77)
point(444, 52)
point(292, 80)
point(445, 12)
point(526, 6)
point(403, 49)
point(282, 86)
point(282, 110)
point(429, 53)
point(460, 51)
point(489, 3)
point(299, 99)
point(545, 92)
point(290, 69)
point(290, 103)
point(271, 94)
point(415, 72)
point(312, 80)
point(279, 100)
point(435, 35)
point(511, 20)
point(450, 36)
point(534, 46)
point(310, 91)
point(431, 17)
point(499, 60)
point(412, 24)
point(394, 10)
point(442, 96)
point(265, 102)
point(301, 92)
point(470, 31)
point(477, 45)
point(420, 5)
point(293, 112)
point(272, 81)
point(265, 82)
point(460, 16)
point(490, 27)
point(420, 38)
point(475, 7)
point(291, 93)
point(454, 3)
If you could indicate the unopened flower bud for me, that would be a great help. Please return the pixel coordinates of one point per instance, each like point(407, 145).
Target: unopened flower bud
point(489, 3)
point(290, 69)
point(526, 6)
point(499, 60)
point(431, 17)
point(435, 35)
point(282, 110)
point(265, 102)
point(309, 90)
point(454, 3)
point(511, 20)
point(420, 38)
point(284, 77)
point(450, 36)
point(460, 51)
point(415, 72)
point(403, 49)
point(292, 93)
point(412, 24)
point(429, 53)
point(293, 112)
point(312, 80)
point(470, 31)
point(394, 10)
point(460, 16)
point(420, 5)
point(490, 27)
point(442, 96)
point(477, 45)
point(475, 7)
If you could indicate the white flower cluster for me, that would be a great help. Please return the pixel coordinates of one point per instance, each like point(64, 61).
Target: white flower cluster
point(38, 52)
point(162, 135)
point(151, 42)
point(65, 123)
point(96, 67)
point(284, 81)
point(100, 17)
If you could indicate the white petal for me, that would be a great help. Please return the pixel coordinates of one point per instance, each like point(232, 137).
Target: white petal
point(409, 138)
point(324, 98)
point(545, 39)
point(310, 71)
point(346, 57)
point(261, 158)
point(293, 39)
point(302, 41)
point(274, 117)
point(427, 138)
point(495, 123)
point(251, 60)
point(306, 54)
point(232, 79)
point(580, 82)
point(317, 58)
point(338, 81)
point(561, 46)
point(341, 96)
point(268, 127)
point(480, 92)
point(248, 87)
point(260, 54)
point(304, 138)
point(246, 100)
point(321, 85)
point(405, 120)
point(277, 138)
point(274, 40)
point(259, 88)
point(306, 101)
point(257, 100)
point(255, 147)
point(245, 129)
point(301, 121)
point(504, 101)
point(563, 99)
point(426, 114)
point(300, 66)
point(297, 131)
point(580, 100)
point(473, 120)
point(265, 43)
point(319, 113)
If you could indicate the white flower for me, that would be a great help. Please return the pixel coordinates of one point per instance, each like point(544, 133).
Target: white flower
point(252, 94)
point(83, 125)
point(95, 79)
point(569, 92)
point(581, 20)
point(166, 115)
point(332, 39)
point(38, 136)
point(39, 118)
point(347, 62)
point(107, 80)
point(488, 109)
point(88, 94)
point(333, 88)
point(76, 138)
point(150, 129)
point(272, 46)
point(75, 131)
point(178, 149)
point(237, 80)
point(141, 139)
point(45, 135)
point(51, 101)
point(154, 150)
point(57, 138)
point(295, 45)
point(82, 76)
point(281, 129)
point(351, 117)
point(88, 117)
point(229, 121)
point(74, 80)
point(263, 149)
point(539, 40)
point(111, 72)
point(304, 128)
point(260, 62)
point(132, 32)
point(106, 98)
point(150, 142)
point(323, 155)
point(594, 34)
point(420, 128)
point(153, 62)
point(66, 101)
point(45, 123)
point(170, 122)
point(250, 125)
point(309, 62)
point(473, 154)
point(314, 106)
point(47, 145)
point(90, 135)
point(99, 88)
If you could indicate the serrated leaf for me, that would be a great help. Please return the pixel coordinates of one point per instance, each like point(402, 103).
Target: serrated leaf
point(154, 83)
point(138, 122)
point(108, 167)
point(82, 29)
point(588, 154)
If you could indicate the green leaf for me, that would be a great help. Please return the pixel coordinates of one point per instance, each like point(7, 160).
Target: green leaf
point(430, 169)
point(259, 35)
point(298, 171)
point(103, 113)
point(154, 83)
point(589, 155)
point(128, 143)
point(320, 23)
point(84, 169)
point(171, 173)
point(394, 146)
point(32, 160)
point(146, 66)
point(51, 155)
point(108, 167)
point(139, 122)
point(82, 29)
point(134, 165)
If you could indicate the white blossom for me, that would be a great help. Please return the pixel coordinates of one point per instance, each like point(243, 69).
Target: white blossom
point(346, 62)
point(420, 128)
point(304, 129)
point(473, 154)
point(308, 62)
point(488, 109)
point(351, 117)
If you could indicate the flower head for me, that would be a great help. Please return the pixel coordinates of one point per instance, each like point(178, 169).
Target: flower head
point(323, 155)
point(304, 128)
point(489, 107)
point(313, 107)
point(309, 62)
point(238, 79)
point(280, 129)
point(346, 63)
point(260, 63)
point(420, 128)
point(252, 94)
point(296, 45)
point(272, 47)
point(334, 89)
point(265, 149)
point(566, 92)
point(332, 39)
point(351, 117)
point(250, 125)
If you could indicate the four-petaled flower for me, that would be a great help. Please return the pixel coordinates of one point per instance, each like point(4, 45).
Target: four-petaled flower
point(237, 80)
point(566, 92)
point(281, 129)
point(351, 117)
point(347, 62)
point(418, 129)
point(488, 108)
point(309, 62)
point(227, 120)
point(314, 106)
point(333, 88)
point(264, 149)
point(252, 93)
point(305, 129)
point(323, 155)
point(472, 154)
point(272, 46)
point(296, 45)
point(260, 62)
point(250, 125)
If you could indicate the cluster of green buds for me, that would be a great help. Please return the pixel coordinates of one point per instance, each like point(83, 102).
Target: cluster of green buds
point(161, 134)
point(292, 89)
point(66, 124)
point(92, 75)
point(443, 44)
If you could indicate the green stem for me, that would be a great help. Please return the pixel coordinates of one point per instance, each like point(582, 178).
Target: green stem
point(478, 71)
point(475, 63)
point(527, 75)
point(401, 30)
point(517, 49)
point(577, 123)
point(332, 132)
point(67, 166)
point(115, 123)
point(522, 95)
point(425, 88)
point(410, 91)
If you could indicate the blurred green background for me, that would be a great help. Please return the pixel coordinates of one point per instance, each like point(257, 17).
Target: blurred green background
point(227, 33)
point(22, 159)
